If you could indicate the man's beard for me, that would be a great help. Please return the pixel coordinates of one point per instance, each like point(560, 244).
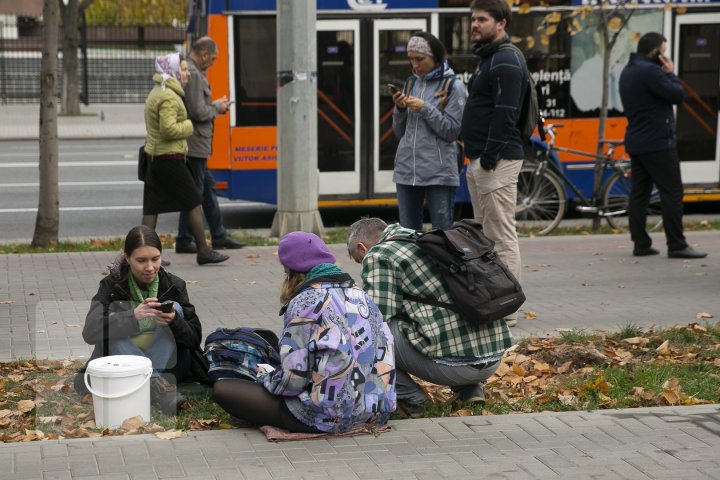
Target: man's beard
point(486, 38)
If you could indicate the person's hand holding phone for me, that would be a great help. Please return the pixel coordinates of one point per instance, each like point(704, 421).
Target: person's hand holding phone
point(222, 104)
point(397, 95)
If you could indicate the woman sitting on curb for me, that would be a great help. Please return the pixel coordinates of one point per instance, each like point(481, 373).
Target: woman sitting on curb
point(125, 318)
point(338, 365)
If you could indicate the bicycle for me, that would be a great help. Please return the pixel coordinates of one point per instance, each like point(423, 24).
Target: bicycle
point(542, 196)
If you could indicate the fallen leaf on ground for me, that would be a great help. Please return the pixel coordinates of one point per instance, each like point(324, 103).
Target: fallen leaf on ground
point(530, 315)
point(169, 435)
point(703, 315)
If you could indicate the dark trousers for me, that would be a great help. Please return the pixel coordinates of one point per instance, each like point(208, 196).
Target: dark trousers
point(205, 184)
point(663, 169)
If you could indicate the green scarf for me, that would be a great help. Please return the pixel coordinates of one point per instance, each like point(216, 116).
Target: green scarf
point(147, 325)
point(321, 270)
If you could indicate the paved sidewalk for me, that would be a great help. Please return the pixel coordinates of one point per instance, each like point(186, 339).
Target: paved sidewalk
point(572, 282)
point(22, 122)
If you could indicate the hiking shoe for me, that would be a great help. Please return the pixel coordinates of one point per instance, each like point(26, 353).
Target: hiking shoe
point(212, 257)
point(164, 395)
point(412, 410)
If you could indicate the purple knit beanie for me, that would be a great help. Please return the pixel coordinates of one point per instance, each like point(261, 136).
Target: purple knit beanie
point(301, 251)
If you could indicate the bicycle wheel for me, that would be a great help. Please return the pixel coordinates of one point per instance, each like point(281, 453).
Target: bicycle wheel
point(616, 199)
point(541, 200)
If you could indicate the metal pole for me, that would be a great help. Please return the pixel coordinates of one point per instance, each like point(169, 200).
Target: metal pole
point(297, 172)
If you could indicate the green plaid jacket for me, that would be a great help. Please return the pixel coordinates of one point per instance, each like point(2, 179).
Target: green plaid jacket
point(392, 269)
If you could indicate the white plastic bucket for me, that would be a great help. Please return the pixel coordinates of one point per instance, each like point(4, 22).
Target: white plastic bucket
point(120, 388)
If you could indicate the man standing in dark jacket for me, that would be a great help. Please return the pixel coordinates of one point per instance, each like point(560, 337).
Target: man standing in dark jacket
point(490, 129)
point(649, 89)
point(202, 113)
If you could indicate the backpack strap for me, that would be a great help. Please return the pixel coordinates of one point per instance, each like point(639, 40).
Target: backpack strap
point(427, 301)
point(444, 91)
point(512, 46)
point(407, 86)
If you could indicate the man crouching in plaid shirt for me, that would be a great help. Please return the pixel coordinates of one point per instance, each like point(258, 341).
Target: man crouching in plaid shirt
point(432, 343)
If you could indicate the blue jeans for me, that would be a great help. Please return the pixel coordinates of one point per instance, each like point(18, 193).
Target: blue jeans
point(166, 356)
point(440, 200)
point(205, 184)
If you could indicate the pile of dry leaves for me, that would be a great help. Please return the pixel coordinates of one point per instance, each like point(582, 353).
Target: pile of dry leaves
point(38, 401)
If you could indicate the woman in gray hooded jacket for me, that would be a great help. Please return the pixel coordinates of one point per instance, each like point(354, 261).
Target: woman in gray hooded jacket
point(426, 119)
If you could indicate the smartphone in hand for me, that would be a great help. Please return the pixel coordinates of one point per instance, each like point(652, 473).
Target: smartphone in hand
point(166, 307)
point(394, 88)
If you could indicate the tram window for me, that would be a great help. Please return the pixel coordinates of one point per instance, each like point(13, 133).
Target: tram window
point(336, 101)
point(255, 67)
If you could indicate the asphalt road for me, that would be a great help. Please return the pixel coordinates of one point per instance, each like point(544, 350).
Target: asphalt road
point(99, 193)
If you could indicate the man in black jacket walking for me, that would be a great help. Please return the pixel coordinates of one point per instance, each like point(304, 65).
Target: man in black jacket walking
point(490, 130)
point(649, 89)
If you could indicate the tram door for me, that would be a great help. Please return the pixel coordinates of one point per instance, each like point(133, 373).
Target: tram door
point(390, 65)
point(338, 107)
point(697, 54)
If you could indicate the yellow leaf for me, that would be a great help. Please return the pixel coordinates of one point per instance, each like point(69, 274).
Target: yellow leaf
point(553, 17)
point(133, 423)
point(25, 405)
point(465, 412)
point(664, 349)
point(615, 23)
point(524, 8)
point(703, 315)
point(169, 435)
point(530, 315)
point(551, 30)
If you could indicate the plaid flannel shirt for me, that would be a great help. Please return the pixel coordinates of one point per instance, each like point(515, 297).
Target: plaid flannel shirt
point(392, 269)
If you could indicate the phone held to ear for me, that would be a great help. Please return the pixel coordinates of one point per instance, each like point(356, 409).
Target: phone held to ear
point(658, 59)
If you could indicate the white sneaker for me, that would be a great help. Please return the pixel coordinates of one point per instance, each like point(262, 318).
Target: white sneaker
point(511, 322)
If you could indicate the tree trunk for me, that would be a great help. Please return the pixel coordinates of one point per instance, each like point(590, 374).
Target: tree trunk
point(70, 88)
point(47, 222)
point(599, 152)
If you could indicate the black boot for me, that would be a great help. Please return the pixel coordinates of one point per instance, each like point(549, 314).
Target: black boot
point(164, 395)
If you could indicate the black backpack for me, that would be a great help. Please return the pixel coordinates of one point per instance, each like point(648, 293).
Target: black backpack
point(481, 287)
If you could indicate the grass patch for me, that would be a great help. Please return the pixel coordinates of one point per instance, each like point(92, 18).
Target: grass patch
point(573, 371)
point(573, 337)
point(335, 235)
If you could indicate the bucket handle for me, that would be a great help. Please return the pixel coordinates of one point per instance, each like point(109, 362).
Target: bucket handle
point(118, 395)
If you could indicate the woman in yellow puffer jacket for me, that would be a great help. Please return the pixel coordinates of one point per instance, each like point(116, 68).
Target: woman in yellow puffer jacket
point(169, 186)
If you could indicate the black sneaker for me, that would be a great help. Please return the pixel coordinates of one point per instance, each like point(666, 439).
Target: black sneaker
point(227, 243)
point(211, 257)
point(164, 395)
point(469, 394)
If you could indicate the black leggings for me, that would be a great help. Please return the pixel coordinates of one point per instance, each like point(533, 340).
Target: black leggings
point(252, 402)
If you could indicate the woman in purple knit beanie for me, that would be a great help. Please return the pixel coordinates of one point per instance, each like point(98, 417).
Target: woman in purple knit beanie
point(337, 359)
